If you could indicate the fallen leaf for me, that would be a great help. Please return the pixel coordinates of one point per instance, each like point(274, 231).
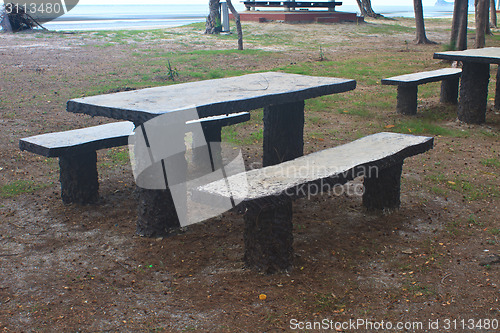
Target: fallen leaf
point(390, 126)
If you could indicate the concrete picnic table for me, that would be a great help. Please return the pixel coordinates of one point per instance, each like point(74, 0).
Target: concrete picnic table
point(282, 96)
point(474, 81)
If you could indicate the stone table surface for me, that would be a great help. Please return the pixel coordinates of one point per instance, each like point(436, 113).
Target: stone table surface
point(211, 97)
point(489, 55)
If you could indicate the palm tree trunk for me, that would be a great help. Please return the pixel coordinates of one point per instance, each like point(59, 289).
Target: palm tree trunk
point(481, 22)
point(213, 24)
point(493, 13)
point(419, 21)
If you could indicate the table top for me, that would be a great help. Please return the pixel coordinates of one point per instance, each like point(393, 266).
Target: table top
point(489, 55)
point(211, 97)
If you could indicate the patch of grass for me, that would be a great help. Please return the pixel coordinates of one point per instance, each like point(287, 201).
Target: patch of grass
point(230, 135)
point(421, 290)
point(119, 156)
point(471, 191)
point(255, 137)
point(319, 104)
point(328, 303)
point(468, 189)
point(422, 126)
point(18, 187)
point(317, 135)
point(316, 120)
point(9, 115)
point(386, 29)
point(439, 191)
point(491, 162)
point(472, 220)
point(489, 134)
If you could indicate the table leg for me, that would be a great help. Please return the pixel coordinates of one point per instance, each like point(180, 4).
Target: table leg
point(474, 93)
point(157, 216)
point(283, 132)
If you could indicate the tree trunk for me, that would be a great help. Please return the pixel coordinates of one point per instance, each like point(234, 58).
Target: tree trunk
point(419, 22)
point(457, 24)
point(238, 24)
point(365, 7)
point(481, 22)
point(463, 19)
point(487, 16)
point(213, 25)
point(493, 14)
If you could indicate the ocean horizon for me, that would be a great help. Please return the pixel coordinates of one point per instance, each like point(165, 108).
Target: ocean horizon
point(118, 17)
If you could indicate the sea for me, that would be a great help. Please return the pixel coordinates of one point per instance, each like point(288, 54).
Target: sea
point(118, 17)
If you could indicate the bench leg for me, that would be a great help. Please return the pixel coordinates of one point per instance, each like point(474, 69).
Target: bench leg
point(474, 93)
point(78, 177)
point(157, 216)
point(449, 91)
point(268, 237)
point(407, 100)
point(382, 189)
point(283, 132)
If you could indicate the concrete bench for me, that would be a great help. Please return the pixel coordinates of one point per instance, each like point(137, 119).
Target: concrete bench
point(266, 194)
point(76, 150)
point(408, 87)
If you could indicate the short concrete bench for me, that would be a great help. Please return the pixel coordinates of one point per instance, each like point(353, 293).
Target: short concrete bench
point(408, 87)
point(266, 194)
point(76, 150)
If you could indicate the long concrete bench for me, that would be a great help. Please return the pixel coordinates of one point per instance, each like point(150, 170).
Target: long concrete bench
point(266, 194)
point(76, 150)
point(408, 87)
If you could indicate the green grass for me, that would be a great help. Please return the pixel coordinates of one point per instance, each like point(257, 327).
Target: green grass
point(423, 126)
point(230, 135)
point(119, 156)
point(327, 303)
point(470, 190)
point(491, 162)
point(255, 137)
point(386, 29)
point(18, 187)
